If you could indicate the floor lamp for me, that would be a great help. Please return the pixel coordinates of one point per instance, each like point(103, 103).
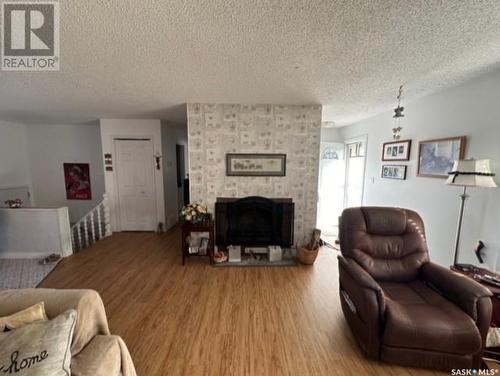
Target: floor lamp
point(469, 173)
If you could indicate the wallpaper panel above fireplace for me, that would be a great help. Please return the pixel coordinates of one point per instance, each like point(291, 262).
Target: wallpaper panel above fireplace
point(218, 129)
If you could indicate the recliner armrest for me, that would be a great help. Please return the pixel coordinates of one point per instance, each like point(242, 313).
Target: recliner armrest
point(362, 278)
point(462, 290)
point(359, 274)
point(363, 303)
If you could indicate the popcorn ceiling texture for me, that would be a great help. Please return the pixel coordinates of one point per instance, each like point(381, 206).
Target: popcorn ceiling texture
point(217, 129)
point(146, 59)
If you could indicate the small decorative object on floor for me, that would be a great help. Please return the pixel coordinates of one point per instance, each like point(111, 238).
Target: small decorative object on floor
point(220, 257)
point(194, 213)
point(52, 258)
point(275, 253)
point(15, 203)
point(234, 253)
point(308, 253)
point(159, 228)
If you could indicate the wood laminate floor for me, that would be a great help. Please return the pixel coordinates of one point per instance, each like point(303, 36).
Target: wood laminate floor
point(200, 320)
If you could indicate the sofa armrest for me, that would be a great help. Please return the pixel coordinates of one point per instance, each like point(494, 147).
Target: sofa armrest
point(462, 290)
point(363, 303)
point(101, 357)
point(91, 316)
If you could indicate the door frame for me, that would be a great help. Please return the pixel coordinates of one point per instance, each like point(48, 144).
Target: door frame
point(116, 200)
point(364, 139)
point(111, 176)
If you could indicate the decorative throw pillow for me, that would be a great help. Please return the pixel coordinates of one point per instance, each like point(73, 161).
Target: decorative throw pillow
point(41, 348)
point(26, 316)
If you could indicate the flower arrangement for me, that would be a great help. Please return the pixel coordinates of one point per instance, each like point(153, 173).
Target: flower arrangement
point(15, 203)
point(194, 213)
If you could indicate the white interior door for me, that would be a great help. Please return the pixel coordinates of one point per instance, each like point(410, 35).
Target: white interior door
point(135, 185)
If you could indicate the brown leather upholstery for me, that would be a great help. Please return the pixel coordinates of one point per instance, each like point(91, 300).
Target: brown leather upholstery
point(388, 243)
point(402, 308)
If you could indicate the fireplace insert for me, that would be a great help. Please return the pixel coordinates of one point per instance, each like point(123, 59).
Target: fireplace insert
point(254, 221)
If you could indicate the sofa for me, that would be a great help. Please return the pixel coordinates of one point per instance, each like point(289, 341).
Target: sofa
point(94, 350)
point(402, 308)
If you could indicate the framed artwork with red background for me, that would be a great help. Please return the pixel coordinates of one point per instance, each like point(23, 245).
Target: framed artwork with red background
point(77, 179)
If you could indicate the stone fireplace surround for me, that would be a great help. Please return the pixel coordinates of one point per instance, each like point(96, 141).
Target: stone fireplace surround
point(218, 129)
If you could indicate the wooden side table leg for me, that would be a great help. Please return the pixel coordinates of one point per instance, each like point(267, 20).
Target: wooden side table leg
point(183, 248)
point(212, 244)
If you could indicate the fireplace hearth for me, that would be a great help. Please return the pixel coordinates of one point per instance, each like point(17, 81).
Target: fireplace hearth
point(254, 221)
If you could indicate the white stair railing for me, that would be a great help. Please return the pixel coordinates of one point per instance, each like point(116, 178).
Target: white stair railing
point(92, 226)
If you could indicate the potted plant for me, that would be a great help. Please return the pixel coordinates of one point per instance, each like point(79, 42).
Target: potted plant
point(307, 254)
point(194, 213)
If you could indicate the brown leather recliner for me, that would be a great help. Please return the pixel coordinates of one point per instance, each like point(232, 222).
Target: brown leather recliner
point(402, 308)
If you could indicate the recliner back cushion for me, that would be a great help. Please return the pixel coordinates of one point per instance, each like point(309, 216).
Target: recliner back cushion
point(389, 243)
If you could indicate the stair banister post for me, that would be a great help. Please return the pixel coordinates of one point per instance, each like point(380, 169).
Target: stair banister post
point(107, 217)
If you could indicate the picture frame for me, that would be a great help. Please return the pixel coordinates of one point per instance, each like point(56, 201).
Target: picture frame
point(397, 172)
point(256, 164)
point(436, 157)
point(396, 151)
point(77, 181)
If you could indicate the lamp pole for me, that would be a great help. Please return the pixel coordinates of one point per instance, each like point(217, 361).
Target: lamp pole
point(463, 197)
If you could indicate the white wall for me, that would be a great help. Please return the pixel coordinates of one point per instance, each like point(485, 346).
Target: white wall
point(130, 128)
point(471, 109)
point(172, 135)
point(330, 134)
point(14, 164)
point(34, 232)
point(52, 145)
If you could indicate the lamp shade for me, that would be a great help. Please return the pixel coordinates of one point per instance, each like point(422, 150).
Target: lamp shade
point(472, 173)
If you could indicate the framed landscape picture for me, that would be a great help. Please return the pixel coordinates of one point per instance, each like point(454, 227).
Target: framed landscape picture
point(436, 157)
point(396, 151)
point(255, 164)
point(394, 172)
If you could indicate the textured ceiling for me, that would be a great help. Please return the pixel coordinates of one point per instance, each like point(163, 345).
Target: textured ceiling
point(129, 58)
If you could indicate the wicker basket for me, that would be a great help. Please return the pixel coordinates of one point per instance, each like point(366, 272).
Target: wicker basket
point(306, 256)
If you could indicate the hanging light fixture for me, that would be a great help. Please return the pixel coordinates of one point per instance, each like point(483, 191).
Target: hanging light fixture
point(398, 114)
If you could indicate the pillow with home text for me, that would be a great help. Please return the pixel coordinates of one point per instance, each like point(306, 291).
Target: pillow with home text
point(41, 348)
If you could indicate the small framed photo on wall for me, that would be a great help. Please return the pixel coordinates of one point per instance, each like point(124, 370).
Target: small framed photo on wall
point(396, 151)
point(397, 172)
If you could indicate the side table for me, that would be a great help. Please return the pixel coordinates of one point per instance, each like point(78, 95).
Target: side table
point(489, 352)
point(188, 228)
